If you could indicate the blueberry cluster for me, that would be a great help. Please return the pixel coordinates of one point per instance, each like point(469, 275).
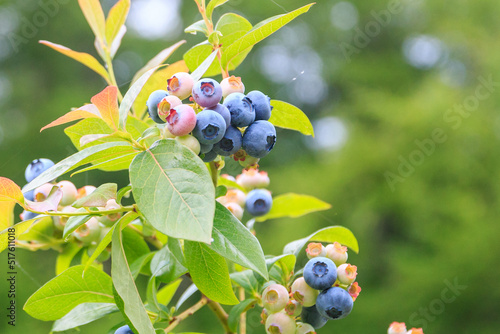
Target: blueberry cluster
point(326, 291)
point(236, 127)
point(256, 200)
point(400, 328)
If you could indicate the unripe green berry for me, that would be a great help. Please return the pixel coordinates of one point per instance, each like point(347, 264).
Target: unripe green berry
point(190, 142)
point(303, 293)
point(303, 328)
point(280, 323)
point(88, 232)
point(293, 308)
point(275, 297)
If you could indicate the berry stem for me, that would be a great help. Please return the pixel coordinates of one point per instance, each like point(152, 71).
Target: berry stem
point(214, 172)
point(88, 212)
point(190, 311)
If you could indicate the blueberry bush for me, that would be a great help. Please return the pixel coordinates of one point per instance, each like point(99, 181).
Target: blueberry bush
point(181, 219)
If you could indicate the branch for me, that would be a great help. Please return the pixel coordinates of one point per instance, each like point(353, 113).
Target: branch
point(221, 315)
point(190, 311)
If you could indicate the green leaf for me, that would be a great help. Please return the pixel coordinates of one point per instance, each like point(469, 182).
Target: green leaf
point(258, 33)
point(287, 116)
point(186, 206)
point(14, 232)
point(209, 272)
point(157, 60)
point(116, 19)
point(131, 95)
point(95, 17)
point(212, 5)
point(106, 240)
point(133, 244)
point(220, 191)
point(286, 264)
point(74, 223)
point(71, 288)
point(329, 234)
point(235, 242)
point(83, 314)
point(166, 293)
point(234, 315)
point(124, 284)
point(294, 205)
point(232, 27)
point(42, 230)
point(99, 197)
point(64, 259)
point(140, 265)
point(88, 155)
point(185, 295)
point(166, 266)
point(198, 73)
point(230, 184)
point(199, 26)
point(247, 280)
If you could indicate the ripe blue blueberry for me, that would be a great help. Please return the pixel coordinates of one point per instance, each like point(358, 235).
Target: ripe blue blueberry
point(37, 167)
point(207, 93)
point(334, 303)
point(152, 104)
point(27, 215)
point(209, 156)
point(30, 195)
point(261, 104)
point(205, 148)
point(241, 109)
point(259, 139)
point(311, 316)
point(210, 127)
point(124, 330)
point(320, 273)
point(230, 143)
point(224, 112)
point(259, 202)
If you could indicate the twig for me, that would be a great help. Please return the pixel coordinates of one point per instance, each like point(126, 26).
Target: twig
point(190, 311)
point(221, 315)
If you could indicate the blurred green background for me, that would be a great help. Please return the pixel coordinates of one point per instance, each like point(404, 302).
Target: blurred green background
point(404, 99)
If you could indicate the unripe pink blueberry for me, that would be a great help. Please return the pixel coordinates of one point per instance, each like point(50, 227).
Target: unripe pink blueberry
point(232, 85)
point(166, 105)
point(315, 249)
point(70, 192)
point(180, 85)
point(85, 191)
point(235, 209)
point(252, 178)
point(415, 331)
point(303, 328)
point(275, 297)
point(397, 328)
point(346, 273)
point(181, 120)
point(60, 222)
point(337, 253)
point(233, 196)
point(280, 323)
point(303, 293)
point(190, 142)
point(41, 193)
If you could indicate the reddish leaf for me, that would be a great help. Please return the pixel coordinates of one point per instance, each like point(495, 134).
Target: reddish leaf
point(10, 194)
point(81, 57)
point(107, 103)
point(73, 116)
